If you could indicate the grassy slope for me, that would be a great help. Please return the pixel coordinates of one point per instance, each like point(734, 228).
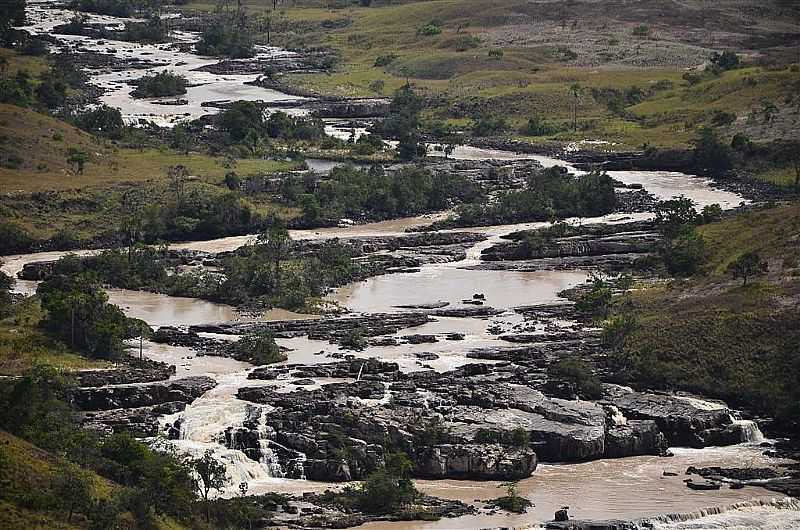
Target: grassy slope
point(533, 76)
point(713, 335)
point(45, 195)
point(42, 142)
point(23, 345)
point(29, 470)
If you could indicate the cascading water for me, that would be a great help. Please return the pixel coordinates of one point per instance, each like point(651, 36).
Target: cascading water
point(775, 514)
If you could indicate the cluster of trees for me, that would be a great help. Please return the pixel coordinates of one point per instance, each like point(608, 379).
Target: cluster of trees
point(548, 195)
point(188, 210)
point(684, 248)
point(388, 489)
point(246, 122)
point(160, 85)
point(375, 194)
point(12, 14)
point(79, 314)
point(403, 123)
point(114, 8)
point(101, 121)
point(269, 273)
point(258, 348)
point(228, 34)
point(47, 93)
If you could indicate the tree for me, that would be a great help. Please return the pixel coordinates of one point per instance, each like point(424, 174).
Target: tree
point(180, 139)
point(132, 222)
point(387, 489)
point(6, 284)
point(685, 251)
point(78, 311)
point(575, 90)
point(177, 176)
point(102, 121)
point(72, 487)
point(77, 159)
point(675, 213)
point(747, 265)
point(274, 243)
point(212, 474)
point(710, 154)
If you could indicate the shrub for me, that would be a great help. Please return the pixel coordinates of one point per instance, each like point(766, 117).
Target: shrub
point(642, 30)
point(726, 60)
point(489, 125)
point(429, 29)
point(224, 37)
point(354, 340)
point(685, 252)
point(538, 127)
point(465, 42)
point(13, 238)
point(258, 348)
point(377, 85)
point(511, 501)
point(160, 85)
point(710, 154)
point(102, 121)
point(35, 47)
point(579, 375)
point(385, 60)
point(747, 265)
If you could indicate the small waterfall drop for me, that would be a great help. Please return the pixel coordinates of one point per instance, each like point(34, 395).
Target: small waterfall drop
point(772, 514)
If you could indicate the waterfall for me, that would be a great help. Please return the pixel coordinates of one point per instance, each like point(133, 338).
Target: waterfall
point(749, 430)
point(755, 514)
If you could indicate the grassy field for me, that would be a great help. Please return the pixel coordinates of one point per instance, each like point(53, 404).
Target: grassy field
point(41, 144)
point(41, 193)
point(519, 60)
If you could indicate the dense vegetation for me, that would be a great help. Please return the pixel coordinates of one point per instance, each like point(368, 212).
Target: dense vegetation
point(159, 85)
point(374, 194)
point(715, 335)
point(548, 195)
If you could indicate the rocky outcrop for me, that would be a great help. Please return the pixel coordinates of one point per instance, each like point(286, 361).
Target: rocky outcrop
point(475, 461)
point(580, 246)
point(140, 421)
point(332, 329)
point(685, 421)
point(476, 422)
point(183, 390)
point(133, 372)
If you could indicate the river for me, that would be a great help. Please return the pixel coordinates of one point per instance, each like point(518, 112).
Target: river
point(621, 488)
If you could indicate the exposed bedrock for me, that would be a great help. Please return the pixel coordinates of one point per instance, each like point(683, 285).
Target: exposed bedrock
point(134, 371)
point(474, 422)
point(575, 246)
point(183, 390)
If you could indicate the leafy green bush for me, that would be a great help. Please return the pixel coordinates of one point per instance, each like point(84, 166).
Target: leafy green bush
point(388, 489)
point(102, 121)
point(226, 37)
point(512, 501)
point(579, 375)
point(160, 85)
point(385, 60)
point(78, 312)
point(536, 126)
point(489, 125)
point(258, 348)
